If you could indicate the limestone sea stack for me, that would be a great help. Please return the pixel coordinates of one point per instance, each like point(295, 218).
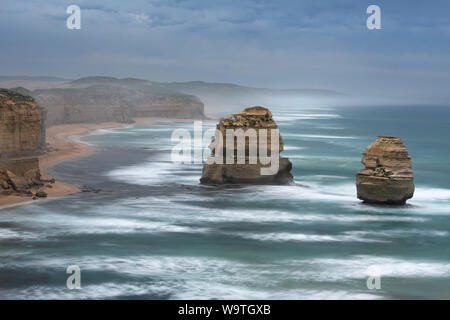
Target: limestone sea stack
point(387, 177)
point(257, 120)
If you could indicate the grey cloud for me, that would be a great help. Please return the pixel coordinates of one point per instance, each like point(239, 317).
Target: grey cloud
point(282, 43)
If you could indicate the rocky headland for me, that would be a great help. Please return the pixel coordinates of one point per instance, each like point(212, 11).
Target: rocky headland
point(387, 177)
point(253, 118)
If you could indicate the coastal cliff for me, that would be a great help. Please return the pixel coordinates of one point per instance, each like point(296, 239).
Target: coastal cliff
point(20, 125)
point(20, 144)
point(256, 119)
point(387, 177)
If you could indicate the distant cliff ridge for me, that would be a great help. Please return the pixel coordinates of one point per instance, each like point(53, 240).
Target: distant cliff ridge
point(218, 97)
point(102, 99)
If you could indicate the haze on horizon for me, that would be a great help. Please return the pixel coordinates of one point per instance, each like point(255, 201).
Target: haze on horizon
point(272, 44)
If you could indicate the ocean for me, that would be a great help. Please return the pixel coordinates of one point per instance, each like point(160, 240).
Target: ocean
point(146, 229)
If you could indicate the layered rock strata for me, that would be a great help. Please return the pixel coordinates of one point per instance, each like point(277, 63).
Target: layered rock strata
point(244, 167)
point(20, 142)
point(387, 177)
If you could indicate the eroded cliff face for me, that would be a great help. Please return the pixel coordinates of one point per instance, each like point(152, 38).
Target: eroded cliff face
point(20, 124)
point(387, 177)
point(83, 105)
point(251, 119)
point(20, 142)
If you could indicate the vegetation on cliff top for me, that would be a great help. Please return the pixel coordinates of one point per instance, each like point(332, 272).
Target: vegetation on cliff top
point(15, 95)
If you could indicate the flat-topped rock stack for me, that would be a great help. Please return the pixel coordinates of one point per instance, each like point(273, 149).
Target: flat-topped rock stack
point(251, 120)
point(387, 177)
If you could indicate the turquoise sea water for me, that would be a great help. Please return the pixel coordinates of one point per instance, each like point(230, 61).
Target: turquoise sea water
point(147, 229)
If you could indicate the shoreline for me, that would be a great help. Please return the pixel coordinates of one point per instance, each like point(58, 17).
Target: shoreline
point(63, 146)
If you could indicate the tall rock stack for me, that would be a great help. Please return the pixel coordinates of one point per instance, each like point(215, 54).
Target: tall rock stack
point(387, 177)
point(253, 118)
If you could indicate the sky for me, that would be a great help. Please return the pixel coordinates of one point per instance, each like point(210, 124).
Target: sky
point(276, 44)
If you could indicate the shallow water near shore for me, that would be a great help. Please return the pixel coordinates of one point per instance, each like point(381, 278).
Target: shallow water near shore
point(147, 229)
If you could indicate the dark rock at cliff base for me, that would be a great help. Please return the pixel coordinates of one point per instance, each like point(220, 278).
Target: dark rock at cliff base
point(17, 182)
point(41, 194)
point(256, 118)
point(387, 177)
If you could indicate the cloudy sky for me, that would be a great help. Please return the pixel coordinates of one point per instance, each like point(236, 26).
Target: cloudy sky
point(282, 43)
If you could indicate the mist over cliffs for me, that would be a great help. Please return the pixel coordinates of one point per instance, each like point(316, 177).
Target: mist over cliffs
point(229, 97)
point(103, 99)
